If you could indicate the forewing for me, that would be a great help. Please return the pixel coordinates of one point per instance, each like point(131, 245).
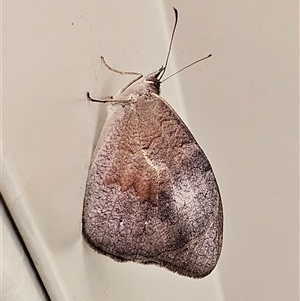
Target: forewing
point(151, 194)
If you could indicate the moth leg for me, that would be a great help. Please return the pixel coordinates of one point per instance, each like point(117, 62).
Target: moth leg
point(123, 73)
point(105, 100)
point(118, 71)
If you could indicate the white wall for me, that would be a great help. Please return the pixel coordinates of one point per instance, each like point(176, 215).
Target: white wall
point(241, 105)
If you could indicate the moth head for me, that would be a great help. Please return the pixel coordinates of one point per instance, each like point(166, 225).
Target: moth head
point(153, 79)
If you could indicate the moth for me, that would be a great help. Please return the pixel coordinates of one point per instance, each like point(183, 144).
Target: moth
point(151, 194)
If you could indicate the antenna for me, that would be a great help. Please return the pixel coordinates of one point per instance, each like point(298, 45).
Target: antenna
point(171, 42)
point(204, 58)
point(167, 60)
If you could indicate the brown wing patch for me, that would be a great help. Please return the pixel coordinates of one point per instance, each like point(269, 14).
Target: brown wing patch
point(135, 171)
point(132, 168)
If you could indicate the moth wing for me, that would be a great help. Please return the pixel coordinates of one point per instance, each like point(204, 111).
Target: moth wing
point(151, 194)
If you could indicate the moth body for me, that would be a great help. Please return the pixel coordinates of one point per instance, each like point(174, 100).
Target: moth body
point(151, 194)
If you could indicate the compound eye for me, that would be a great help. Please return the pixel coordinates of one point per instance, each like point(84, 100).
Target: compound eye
point(151, 79)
